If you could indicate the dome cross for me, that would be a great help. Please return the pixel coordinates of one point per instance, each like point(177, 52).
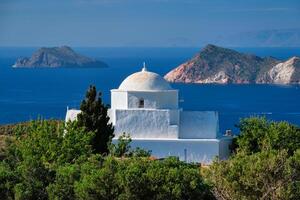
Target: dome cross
point(144, 69)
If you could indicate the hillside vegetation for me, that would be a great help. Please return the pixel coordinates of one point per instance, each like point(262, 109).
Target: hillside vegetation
point(48, 159)
point(265, 164)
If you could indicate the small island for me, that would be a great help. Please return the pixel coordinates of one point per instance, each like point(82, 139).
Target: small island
point(55, 57)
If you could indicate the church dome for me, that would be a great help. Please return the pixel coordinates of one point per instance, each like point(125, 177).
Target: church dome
point(143, 81)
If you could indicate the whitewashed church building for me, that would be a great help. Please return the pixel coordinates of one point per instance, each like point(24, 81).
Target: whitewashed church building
point(146, 107)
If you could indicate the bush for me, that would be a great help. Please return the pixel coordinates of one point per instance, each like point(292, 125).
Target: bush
point(54, 161)
point(265, 165)
point(39, 150)
point(140, 178)
point(63, 185)
point(122, 148)
point(7, 180)
point(264, 175)
point(258, 134)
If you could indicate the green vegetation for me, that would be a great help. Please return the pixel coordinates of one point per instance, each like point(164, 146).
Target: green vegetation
point(123, 148)
point(53, 161)
point(142, 179)
point(265, 165)
point(48, 159)
point(93, 117)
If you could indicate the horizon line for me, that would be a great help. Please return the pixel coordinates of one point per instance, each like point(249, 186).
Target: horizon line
point(200, 46)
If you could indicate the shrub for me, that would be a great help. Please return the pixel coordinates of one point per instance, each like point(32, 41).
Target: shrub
point(140, 178)
point(265, 165)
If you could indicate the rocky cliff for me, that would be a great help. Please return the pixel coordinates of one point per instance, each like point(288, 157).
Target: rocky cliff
point(57, 57)
point(287, 72)
point(215, 64)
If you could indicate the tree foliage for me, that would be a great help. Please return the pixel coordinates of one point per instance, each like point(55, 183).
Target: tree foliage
point(265, 164)
point(93, 117)
point(140, 178)
point(259, 134)
point(38, 151)
point(122, 148)
point(54, 161)
point(51, 160)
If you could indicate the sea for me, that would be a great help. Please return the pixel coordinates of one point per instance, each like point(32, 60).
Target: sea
point(28, 94)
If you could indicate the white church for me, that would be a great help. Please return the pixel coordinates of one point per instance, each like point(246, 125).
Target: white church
point(146, 107)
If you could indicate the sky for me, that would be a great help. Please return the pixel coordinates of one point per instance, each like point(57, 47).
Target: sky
point(161, 23)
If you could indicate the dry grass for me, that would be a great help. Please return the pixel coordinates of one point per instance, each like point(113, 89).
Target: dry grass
point(8, 129)
point(7, 134)
point(4, 142)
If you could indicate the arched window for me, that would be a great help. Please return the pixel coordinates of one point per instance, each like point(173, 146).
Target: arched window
point(141, 103)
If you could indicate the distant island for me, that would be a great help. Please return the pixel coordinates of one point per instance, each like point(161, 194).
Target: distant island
point(56, 57)
point(215, 64)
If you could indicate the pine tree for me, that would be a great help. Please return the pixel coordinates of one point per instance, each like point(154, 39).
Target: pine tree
point(94, 118)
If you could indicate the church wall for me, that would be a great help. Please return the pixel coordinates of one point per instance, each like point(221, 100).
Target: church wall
point(144, 124)
point(174, 116)
point(198, 124)
point(111, 114)
point(71, 115)
point(224, 150)
point(119, 99)
point(173, 130)
point(154, 99)
point(201, 150)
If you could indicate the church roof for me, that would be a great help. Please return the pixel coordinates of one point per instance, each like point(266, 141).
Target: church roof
point(144, 81)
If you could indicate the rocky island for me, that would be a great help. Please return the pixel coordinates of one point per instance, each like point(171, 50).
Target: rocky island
point(215, 64)
point(55, 57)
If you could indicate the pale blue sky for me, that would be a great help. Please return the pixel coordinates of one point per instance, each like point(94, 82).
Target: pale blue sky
point(138, 22)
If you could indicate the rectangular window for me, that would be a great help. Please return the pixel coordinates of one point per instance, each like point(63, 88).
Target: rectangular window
point(141, 103)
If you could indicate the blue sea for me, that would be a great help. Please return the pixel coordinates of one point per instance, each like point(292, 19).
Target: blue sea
point(27, 94)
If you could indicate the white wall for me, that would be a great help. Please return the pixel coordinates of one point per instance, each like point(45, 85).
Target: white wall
point(119, 99)
point(71, 115)
point(154, 99)
point(200, 150)
point(198, 124)
point(111, 114)
point(143, 123)
point(174, 117)
point(224, 150)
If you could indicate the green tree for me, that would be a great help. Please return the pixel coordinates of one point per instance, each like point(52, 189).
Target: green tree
point(122, 148)
point(141, 179)
point(94, 118)
point(7, 181)
point(63, 185)
point(258, 134)
point(140, 152)
point(98, 181)
point(38, 153)
point(265, 165)
point(47, 160)
point(263, 175)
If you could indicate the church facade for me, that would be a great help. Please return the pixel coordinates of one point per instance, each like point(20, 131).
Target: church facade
point(146, 107)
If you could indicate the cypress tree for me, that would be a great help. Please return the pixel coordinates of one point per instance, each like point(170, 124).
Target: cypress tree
point(94, 118)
